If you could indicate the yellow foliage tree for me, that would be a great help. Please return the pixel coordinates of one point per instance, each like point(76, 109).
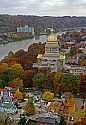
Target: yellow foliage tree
point(55, 107)
point(83, 62)
point(17, 70)
point(80, 114)
point(48, 96)
point(18, 95)
point(70, 105)
point(57, 79)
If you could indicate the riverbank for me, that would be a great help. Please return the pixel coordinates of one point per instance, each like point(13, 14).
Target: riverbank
point(15, 46)
point(6, 41)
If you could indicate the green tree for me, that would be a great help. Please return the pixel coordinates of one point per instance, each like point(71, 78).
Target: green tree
point(6, 76)
point(72, 51)
point(39, 79)
point(2, 84)
point(80, 114)
point(71, 82)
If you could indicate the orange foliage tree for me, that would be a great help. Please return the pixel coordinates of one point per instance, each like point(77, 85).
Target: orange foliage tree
point(70, 105)
point(3, 67)
point(18, 95)
point(13, 85)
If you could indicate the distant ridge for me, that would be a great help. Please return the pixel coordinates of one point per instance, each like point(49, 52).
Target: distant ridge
point(10, 22)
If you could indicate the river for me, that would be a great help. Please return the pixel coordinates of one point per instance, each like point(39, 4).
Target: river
point(15, 46)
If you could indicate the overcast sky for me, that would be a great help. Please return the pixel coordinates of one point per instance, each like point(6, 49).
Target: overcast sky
point(44, 7)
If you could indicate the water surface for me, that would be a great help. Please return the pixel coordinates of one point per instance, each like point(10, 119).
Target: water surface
point(14, 46)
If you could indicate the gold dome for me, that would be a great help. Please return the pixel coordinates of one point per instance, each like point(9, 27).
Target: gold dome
point(52, 37)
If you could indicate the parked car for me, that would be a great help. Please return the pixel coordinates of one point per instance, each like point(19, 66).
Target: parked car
point(35, 98)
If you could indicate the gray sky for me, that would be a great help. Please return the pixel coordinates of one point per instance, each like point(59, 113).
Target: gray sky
point(44, 7)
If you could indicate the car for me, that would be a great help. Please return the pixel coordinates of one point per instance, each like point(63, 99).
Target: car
point(35, 98)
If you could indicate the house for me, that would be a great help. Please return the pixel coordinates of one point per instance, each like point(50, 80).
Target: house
point(46, 119)
point(75, 69)
point(41, 119)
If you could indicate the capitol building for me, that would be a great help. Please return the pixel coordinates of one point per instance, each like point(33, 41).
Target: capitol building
point(51, 58)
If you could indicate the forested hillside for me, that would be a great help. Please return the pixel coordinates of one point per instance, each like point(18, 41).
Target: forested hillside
point(9, 22)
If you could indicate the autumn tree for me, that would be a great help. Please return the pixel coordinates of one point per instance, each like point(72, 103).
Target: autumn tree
point(54, 81)
point(11, 61)
point(69, 104)
point(22, 57)
point(16, 83)
point(82, 62)
point(80, 114)
point(47, 96)
point(75, 35)
point(50, 80)
point(3, 67)
point(36, 48)
point(18, 95)
point(17, 70)
point(58, 77)
point(83, 86)
point(12, 84)
point(30, 109)
point(26, 59)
